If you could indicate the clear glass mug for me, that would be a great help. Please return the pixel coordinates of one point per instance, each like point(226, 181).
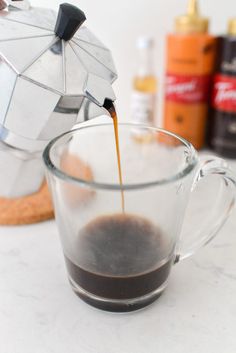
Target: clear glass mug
point(120, 261)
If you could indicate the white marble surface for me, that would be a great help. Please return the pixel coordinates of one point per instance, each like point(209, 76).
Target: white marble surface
point(40, 314)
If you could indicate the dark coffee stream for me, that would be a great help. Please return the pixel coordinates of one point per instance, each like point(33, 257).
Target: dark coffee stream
point(112, 111)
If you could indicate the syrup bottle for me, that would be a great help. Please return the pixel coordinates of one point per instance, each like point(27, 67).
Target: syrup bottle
point(143, 98)
point(222, 137)
point(189, 68)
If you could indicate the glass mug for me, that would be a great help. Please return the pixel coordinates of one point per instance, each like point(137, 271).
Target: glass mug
point(120, 261)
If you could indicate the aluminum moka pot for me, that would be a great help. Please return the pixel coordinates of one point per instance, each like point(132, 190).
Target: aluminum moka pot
point(54, 73)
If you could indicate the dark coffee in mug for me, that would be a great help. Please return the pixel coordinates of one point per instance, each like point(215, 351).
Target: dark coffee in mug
point(121, 256)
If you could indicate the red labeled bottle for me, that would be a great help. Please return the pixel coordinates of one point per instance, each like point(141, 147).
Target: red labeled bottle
point(222, 128)
point(189, 69)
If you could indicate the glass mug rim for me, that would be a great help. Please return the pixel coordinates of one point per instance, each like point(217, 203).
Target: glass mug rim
point(57, 172)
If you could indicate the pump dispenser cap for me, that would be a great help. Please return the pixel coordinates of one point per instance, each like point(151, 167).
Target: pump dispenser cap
point(232, 27)
point(192, 22)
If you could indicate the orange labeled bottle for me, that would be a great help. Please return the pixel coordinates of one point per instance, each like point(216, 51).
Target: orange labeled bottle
point(190, 64)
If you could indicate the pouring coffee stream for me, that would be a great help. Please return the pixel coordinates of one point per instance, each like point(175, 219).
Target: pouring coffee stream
point(109, 106)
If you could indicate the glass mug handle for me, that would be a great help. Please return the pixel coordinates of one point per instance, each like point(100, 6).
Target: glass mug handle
point(211, 166)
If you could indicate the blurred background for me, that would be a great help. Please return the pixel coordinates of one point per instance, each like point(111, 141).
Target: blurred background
point(119, 23)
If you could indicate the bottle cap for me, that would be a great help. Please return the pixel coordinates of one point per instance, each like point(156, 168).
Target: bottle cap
point(145, 42)
point(232, 27)
point(192, 22)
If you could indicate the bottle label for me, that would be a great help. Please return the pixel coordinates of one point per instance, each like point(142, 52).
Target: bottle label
point(224, 93)
point(143, 107)
point(187, 89)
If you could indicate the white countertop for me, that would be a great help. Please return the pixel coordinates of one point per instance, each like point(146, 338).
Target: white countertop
point(39, 313)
